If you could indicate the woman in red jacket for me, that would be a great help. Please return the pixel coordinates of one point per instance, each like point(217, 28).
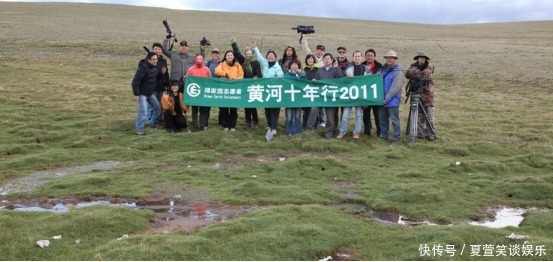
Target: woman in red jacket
point(199, 70)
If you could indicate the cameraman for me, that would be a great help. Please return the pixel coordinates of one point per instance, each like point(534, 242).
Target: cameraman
point(423, 69)
point(181, 60)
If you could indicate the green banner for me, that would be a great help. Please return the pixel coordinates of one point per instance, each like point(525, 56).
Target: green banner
point(283, 92)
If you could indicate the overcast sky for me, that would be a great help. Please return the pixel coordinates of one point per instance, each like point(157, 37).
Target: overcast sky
point(411, 11)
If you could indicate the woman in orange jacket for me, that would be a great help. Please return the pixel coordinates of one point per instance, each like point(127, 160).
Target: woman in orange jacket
point(174, 110)
point(229, 69)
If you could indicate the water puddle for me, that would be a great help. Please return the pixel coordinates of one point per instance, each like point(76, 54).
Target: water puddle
point(383, 217)
point(504, 217)
point(172, 215)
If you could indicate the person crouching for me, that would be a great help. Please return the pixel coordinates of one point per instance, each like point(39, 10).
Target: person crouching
point(174, 110)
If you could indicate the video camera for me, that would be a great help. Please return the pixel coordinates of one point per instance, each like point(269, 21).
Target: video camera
point(304, 30)
point(169, 32)
point(204, 41)
point(415, 85)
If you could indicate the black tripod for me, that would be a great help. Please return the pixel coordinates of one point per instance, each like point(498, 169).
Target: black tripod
point(413, 90)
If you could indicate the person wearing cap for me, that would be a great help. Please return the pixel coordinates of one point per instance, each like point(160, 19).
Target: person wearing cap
point(181, 60)
point(229, 69)
point(392, 75)
point(318, 54)
point(374, 68)
point(214, 61)
point(271, 69)
point(199, 70)
point(423, 69)
point(144, 87)
point(212, 64)
point(252, 69)
point(342, 59)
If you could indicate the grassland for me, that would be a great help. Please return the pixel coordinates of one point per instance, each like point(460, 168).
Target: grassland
point(65, 72)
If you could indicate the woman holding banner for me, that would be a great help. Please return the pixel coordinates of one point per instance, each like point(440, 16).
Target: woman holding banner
point(293, 114)
point(229, 69)
point(271, 69)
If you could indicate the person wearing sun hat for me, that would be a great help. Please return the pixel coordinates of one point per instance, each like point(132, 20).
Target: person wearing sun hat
point(392, 75)
point(423, 68)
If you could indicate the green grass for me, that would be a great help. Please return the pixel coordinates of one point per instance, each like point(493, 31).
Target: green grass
point(66, 101)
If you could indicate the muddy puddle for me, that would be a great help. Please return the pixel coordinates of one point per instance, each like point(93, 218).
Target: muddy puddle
point(172, 214)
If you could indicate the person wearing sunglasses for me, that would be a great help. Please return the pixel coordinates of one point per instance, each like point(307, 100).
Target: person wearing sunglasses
point(342, 59)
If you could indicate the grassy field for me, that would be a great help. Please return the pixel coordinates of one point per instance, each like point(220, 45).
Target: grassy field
point(65, 72)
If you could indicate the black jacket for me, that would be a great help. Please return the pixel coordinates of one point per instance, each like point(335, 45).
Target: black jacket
point(145, 79)
point(162, 79)
point(256, 66)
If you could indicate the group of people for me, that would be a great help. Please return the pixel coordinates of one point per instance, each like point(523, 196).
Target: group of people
point(160, 95)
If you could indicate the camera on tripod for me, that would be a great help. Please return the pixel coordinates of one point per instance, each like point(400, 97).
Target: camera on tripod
point(169, 32)
point(204, 42)
point(304, 30)
point(418, 83)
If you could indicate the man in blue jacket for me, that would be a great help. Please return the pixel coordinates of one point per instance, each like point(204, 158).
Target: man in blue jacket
point(393, 81)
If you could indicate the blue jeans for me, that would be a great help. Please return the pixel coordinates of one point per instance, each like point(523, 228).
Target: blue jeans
point(143, 102)
point(385, 114)
point(293, 121)
point(345, 118)
point(272, 115)
point(158, 95)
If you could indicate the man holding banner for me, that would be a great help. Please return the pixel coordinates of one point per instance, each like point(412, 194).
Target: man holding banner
point(329, 71)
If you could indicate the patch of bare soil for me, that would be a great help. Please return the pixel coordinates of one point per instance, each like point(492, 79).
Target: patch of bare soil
point(34, 180)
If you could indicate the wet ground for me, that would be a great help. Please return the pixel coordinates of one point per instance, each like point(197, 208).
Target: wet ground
point(172, 214)
point(176, 214)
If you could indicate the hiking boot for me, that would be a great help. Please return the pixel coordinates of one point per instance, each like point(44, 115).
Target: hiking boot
point(233, 130)
point(431, 137)
point(226, 129)
point(248, 124)
point(340, 136)
point(356, 136)
point(139, 133)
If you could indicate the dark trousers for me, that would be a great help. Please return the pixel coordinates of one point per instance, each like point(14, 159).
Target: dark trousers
point(228, 116)
point(331, 121)
point(203, 111)
point(272, 115)
point(251, 116)
point(367, 119)
point(305, 117)
point(174, 122)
